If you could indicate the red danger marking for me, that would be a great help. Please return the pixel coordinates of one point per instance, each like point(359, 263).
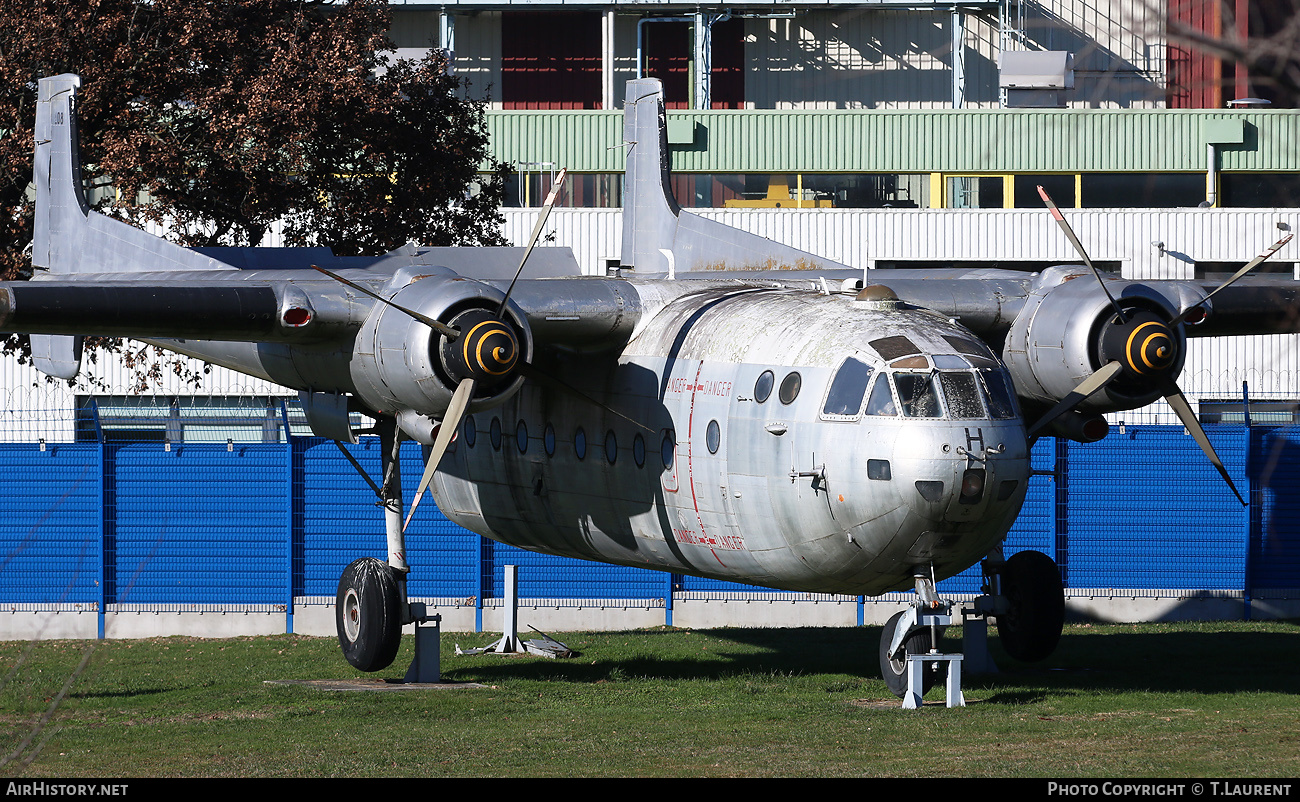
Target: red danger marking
point(689, 537)
point(696, 388)
point(721, 389)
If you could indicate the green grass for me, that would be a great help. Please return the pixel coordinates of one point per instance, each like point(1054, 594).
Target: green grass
point(1209, 699)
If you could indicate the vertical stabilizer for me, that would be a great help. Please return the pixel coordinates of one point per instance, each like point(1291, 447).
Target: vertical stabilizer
point(69, 238)
point(61, 208)
point(659, 239)
point(649, 210)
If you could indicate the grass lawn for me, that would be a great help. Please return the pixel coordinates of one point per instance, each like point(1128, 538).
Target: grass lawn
point(1152, 700)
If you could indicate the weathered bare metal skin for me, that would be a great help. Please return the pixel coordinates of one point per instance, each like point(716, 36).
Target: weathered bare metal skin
point(738, 513)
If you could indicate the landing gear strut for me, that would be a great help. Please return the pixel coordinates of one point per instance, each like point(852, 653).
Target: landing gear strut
point(371, 605)
point(893, 662)
point(914, 631)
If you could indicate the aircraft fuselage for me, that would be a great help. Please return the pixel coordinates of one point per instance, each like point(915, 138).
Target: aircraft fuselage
point(771, 456)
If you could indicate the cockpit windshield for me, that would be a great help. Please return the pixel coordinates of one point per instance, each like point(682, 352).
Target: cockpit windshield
point(957, 394)
point(917, 393)
point(1002, 399)
point(847, 388)
point(962, 394)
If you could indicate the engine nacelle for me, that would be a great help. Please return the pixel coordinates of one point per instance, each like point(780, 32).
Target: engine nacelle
point(400, 363)
point(1068, 329)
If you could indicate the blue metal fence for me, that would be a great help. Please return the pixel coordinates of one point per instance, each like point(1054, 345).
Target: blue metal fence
point(155, 523)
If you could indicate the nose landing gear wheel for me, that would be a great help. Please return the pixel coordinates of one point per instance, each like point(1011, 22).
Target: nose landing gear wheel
point(894, 668)
point(367, 615)
point(1031, 583)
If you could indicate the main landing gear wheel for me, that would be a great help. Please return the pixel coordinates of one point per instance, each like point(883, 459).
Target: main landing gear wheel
point(368, 614)
point(1031, 583)
point(894, 668)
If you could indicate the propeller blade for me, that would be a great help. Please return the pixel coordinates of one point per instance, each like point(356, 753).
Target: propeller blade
point(1086, 389)
point(436, 325)
point(537, 232)
point(1184, 410)
point(1078, 247)
point(531, 372)
point(450, 425)
point(1251, 265)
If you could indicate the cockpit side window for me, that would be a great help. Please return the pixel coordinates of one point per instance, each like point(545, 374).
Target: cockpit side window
point(962, 394)
point(844, 398)
point(917, 393)
point(1002, 404)
point(881, 401)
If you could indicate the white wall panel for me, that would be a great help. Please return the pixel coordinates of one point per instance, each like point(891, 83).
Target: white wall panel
point(862, 237)
point(1215, 368)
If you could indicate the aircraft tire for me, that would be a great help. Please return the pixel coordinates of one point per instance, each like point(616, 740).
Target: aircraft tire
point(368, 615)
point(895, 670)
point(1032, 585)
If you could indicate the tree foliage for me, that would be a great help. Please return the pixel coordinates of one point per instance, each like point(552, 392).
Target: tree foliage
point(230, 115)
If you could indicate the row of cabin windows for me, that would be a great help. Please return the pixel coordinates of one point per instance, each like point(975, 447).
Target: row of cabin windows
point(667, 448)
point(922, 190)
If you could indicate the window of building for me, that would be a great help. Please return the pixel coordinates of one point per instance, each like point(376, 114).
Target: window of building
point(802, 190)
point(1231, 411)
point(1140, 190)
point(550, 60)
point(1062, 189)
point(190, 419)
point(1259, 190)
point(976, 191)
point(1222, 271)
point(666, 52)
point(530, 185)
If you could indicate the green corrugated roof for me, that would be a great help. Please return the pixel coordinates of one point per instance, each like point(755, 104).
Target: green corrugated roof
point(1083, 140)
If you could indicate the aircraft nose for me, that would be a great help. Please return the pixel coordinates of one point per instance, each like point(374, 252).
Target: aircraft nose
point(956, 483)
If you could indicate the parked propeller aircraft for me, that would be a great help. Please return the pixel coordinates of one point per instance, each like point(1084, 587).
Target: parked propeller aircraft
point(724, 406)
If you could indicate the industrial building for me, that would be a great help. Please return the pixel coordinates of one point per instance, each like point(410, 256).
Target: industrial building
point(887, 134)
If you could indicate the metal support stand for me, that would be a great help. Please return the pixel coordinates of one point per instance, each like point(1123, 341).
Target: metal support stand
point(915, 671)
point(975, 642)
point(426, 667)
point(933, 613)
point(509, 642)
